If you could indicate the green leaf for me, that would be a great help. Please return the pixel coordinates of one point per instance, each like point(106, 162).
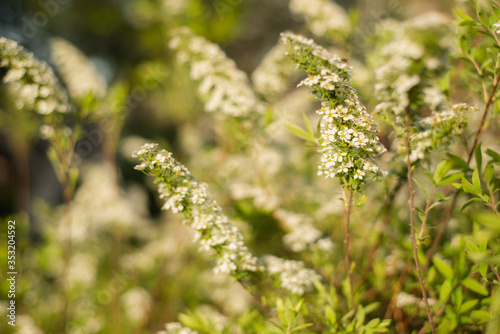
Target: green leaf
point(494, 155)
point(450, 178)
point(489, 173)
point(488, 218)
point(463, 16)
point(308, 125)
point(443, 267)
point(483, 269)
point(468, 187)
point(472, 247)
point(298, 132)
point(467, 306)
point(459, 163)
point(476, 181)
point(445, 291)
point(469, 202)
point(481, 315)
point(299, 327)
point(441, 170)
point(474, 286)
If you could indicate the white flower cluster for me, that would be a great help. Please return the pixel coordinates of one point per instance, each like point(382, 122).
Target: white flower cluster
point(348, 132)
point(323, 17)
point(224, 88)
point(404, 299)
point(77, 72)
point(176, 328)
point(293, 276)
point(262, 199)
point(413, 57)
point(270, 78)
point(112, 208)
point(302, 233)
point(32, 82)
point(182, 193)
point(437, 129)
point(136, 302)
point(497, 26)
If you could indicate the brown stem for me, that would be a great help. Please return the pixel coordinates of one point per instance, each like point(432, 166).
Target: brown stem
point(496, 272)
point(438, 313)
point(412, 224)
point(426, 213)
point(442, 228)
point(346, 245)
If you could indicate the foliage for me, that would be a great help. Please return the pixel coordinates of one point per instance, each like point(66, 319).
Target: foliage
point(293, 241)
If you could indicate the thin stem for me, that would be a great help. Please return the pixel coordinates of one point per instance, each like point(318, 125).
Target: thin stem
point(346, 245)
point(412, 224)
point(426, 213)
point(480, 129)
point(496, 272)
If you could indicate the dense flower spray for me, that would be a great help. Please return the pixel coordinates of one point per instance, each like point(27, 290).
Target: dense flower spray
point(348, 132)
point(222, 86)
point(78, 73)
point(182, 193)
point(412, 58)
point(323, 17)
point(32, 82)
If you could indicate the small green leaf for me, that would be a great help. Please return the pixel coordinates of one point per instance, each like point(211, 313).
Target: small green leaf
point(445, 291)
point(469, 202)
point(488, 218)
point(494, 155)
point(468, 187)
point(443, 267)
point(476, 181)
point(481, 315)
point(489, 173)
point(474, 286)
point(299, 327)
point(459, 163)
point(483, 269)
point(298, 132)
point(463, 16)
point(441, 170)
point(467, 306)
point(472, 247)
point(308, 125)
point(450, 178)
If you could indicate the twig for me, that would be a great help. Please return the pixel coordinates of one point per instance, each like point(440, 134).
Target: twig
point(412, 224)
point(442, 228)
point(346, 245)
point(426, 213)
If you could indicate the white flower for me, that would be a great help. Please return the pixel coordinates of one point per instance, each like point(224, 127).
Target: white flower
point(77, 72)
point(223, 87)
point(348, 131)
point(30, 81)
point(497, 26)
point(293, 275)
point(323, 17)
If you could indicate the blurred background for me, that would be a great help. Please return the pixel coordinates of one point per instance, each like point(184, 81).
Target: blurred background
point(134, 267)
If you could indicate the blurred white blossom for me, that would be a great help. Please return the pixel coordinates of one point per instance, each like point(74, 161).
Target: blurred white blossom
point(223, 87)
point(30, 81)
point(77, 72)
point(323, 17)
